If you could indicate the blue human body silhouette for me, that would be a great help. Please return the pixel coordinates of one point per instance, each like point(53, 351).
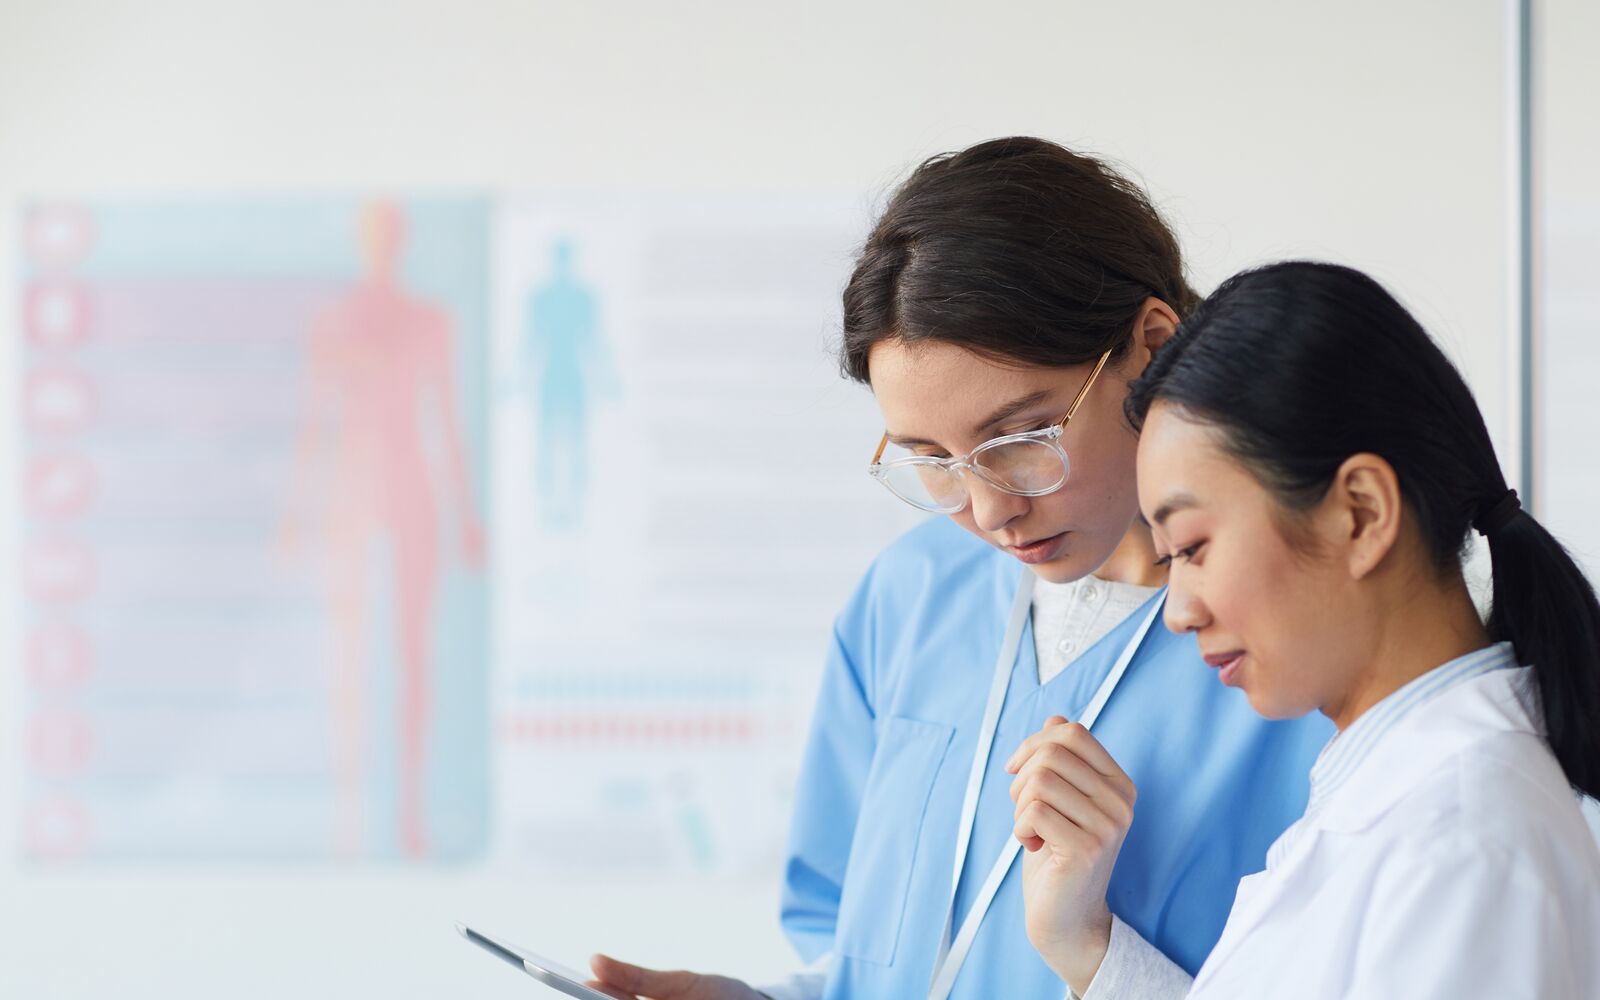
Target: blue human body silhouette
point(568, 365)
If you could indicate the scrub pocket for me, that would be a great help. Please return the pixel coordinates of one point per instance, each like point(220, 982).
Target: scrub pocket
point(884, 850)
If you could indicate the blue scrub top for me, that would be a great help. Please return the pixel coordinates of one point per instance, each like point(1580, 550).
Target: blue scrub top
point(879, 800)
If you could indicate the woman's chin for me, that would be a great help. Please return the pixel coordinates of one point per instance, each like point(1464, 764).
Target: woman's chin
point(1270, 704)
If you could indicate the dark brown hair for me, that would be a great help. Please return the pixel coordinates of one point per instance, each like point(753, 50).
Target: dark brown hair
point(1018, 249)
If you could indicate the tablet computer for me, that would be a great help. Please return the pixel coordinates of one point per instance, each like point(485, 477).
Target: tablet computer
point(550, 973)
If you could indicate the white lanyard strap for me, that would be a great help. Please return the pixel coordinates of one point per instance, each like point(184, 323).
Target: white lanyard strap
point(951, 956)
point(1091, 712)
point(1021, 604)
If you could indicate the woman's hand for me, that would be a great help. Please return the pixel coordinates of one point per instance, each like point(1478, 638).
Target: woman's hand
point(1073, 808)
point(635, 982)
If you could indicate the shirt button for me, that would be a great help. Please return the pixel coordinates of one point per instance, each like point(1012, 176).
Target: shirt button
point(1090, 592)
point(1066, 646)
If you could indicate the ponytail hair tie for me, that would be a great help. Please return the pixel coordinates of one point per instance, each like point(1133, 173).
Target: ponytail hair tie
point(1497, 515)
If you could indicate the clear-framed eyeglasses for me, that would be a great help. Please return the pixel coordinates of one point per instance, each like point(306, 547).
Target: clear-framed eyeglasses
point(1030, 464)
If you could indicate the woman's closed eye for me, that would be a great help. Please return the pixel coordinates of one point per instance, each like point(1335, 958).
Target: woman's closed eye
point(1187, 554)
point(1032, 427)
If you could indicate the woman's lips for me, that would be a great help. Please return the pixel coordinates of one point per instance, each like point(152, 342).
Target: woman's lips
point(1041, 551)
point(1228, 664)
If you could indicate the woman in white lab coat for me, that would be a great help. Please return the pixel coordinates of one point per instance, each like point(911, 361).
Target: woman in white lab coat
point(1311, 465)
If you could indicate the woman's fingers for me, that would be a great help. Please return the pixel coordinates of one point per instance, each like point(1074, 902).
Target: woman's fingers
point(1043, 826)
point(1104, 821)
point(1075, 738)
point(1041, 791)
point(1066, 764)
point(1032, 743)
point(636, 979)
point(1115, 792)
point(1069, 792)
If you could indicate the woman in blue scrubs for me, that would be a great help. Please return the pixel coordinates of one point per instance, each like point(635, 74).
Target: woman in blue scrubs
point(999, 309)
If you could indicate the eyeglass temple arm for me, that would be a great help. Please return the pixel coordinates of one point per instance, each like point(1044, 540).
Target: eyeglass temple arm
point(883, 443)
point(1073, 408)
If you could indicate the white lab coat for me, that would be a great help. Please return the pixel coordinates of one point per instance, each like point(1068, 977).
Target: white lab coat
point(1453, 862)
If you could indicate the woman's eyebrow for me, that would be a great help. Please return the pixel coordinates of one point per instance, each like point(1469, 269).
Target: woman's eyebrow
point(999, 416)
point(1011, 409)
point(1173, 504)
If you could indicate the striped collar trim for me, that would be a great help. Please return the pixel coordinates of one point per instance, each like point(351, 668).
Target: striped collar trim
point(1346, 751)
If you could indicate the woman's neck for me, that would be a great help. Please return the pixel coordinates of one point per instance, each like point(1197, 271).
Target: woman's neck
point(1422, 627)
point(1134, 559)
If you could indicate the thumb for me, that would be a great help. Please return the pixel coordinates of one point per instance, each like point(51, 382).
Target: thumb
point(639, 980)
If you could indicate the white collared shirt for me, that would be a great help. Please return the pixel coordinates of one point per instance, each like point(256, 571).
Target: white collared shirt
point(1070, 617)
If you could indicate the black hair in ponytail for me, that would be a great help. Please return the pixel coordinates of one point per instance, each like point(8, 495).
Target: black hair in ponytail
point(1300, 365)
point(1545, 606)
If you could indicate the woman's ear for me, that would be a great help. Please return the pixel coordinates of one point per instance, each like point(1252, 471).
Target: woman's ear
point(1366, 503)
point(1152, 328)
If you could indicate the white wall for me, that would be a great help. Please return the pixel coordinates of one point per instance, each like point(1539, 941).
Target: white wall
point(1568, 150)
point(1369, 131)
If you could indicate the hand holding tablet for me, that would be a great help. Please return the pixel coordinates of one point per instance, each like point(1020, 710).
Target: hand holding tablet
point(552, 974)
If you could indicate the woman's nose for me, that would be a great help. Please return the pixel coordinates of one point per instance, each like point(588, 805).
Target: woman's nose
point(992, 509)
point(1184, 611)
